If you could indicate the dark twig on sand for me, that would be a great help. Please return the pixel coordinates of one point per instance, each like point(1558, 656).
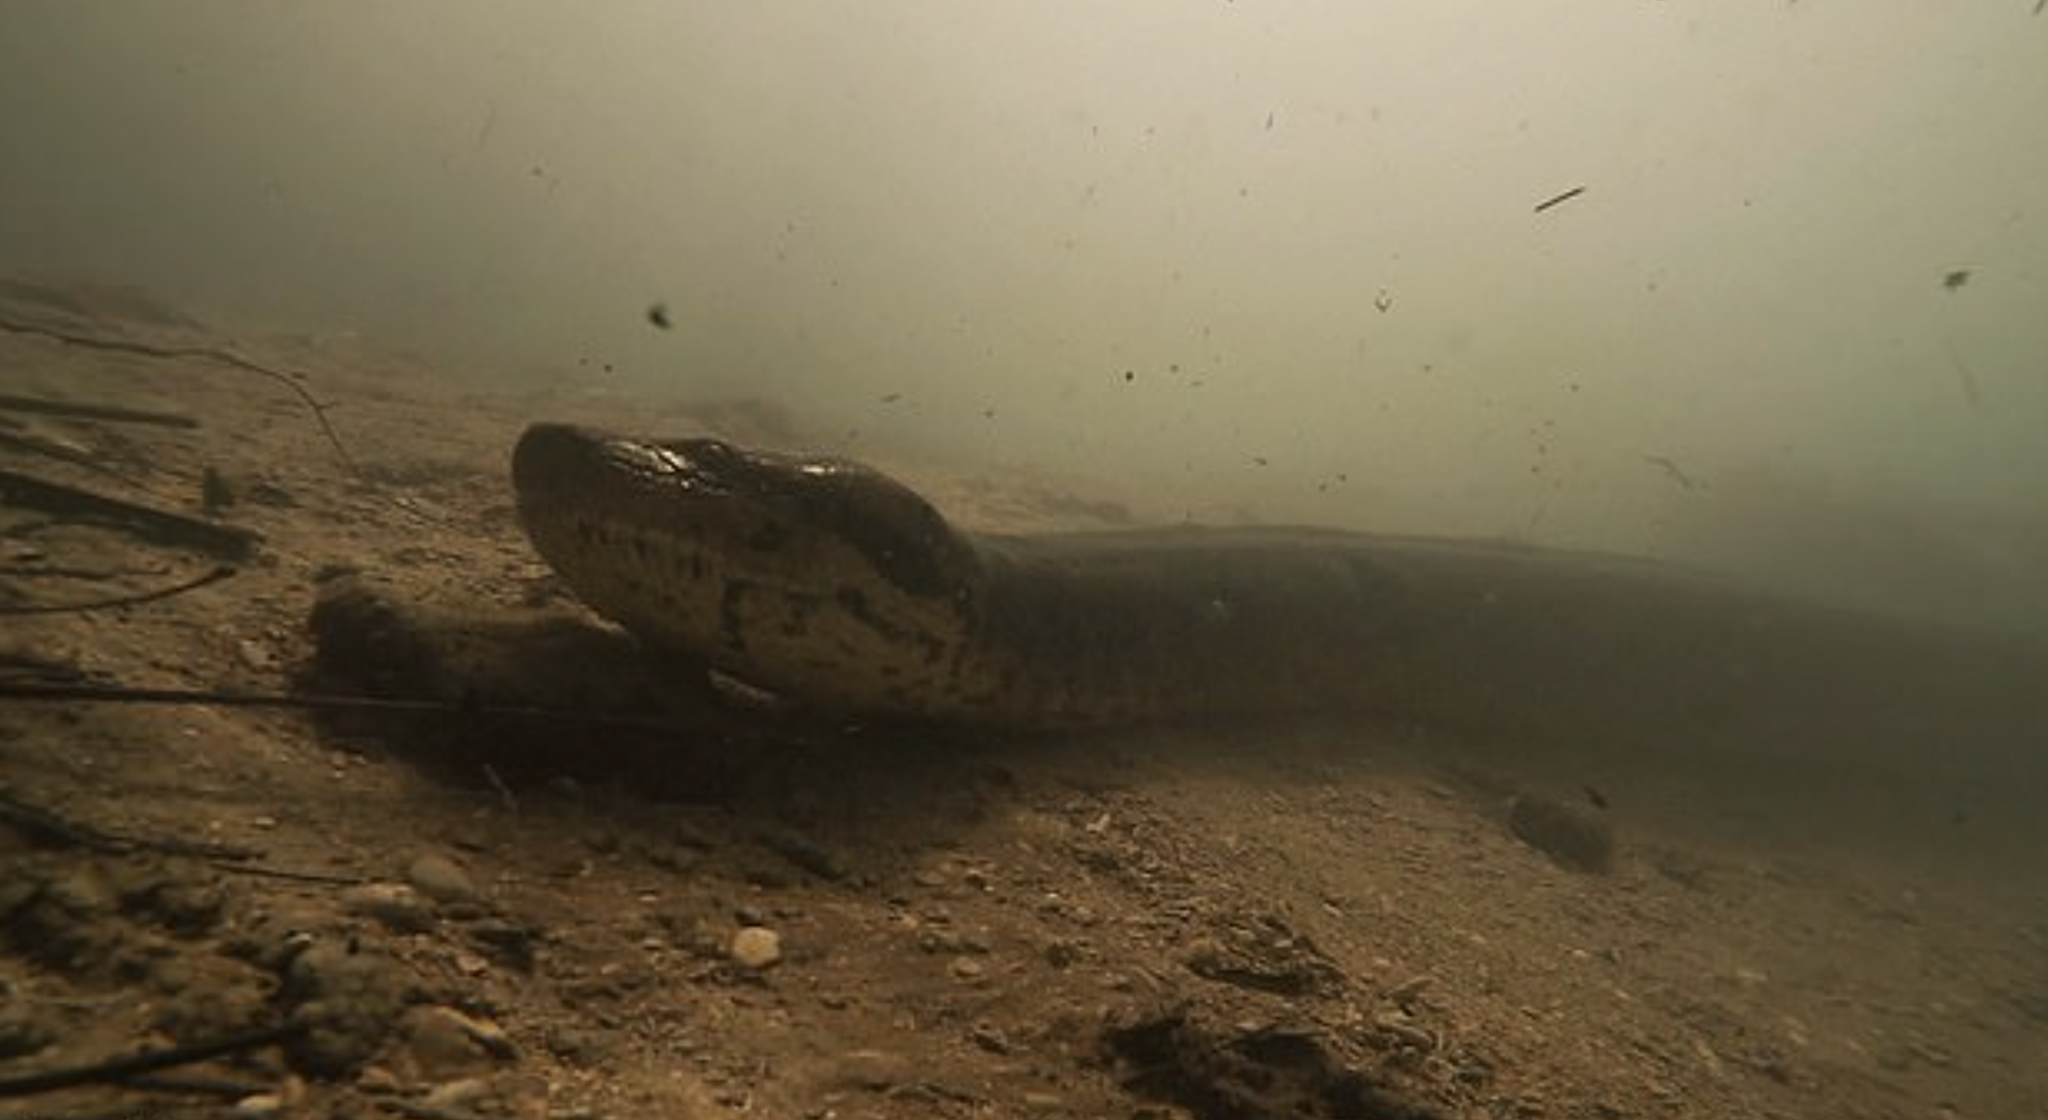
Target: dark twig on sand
point(22, 665)
point(285, 378)
point(63, 453)
point(155, 525)
point(319, 702)
point(114, 1070)
point(45, 827)
point(194, 1085)
point(420, 1110)
point(195, 583)
point(43, 406)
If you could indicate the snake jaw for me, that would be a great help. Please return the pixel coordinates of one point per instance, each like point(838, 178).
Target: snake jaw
point(814, 577)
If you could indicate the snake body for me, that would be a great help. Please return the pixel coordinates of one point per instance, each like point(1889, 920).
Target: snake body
point(830, 583)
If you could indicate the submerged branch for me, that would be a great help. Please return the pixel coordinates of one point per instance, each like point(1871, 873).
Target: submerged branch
point(161, 526)
point(285, 378)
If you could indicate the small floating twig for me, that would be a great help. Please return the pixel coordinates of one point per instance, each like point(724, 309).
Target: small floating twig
point(1963, 373)
point(1672, 470)
point(1559, 199)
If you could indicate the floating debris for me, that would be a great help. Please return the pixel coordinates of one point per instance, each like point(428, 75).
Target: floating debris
point(1560, 199)
point(1955, 278)
point(1965, 376)
point(657, 314)
point(1672, 469)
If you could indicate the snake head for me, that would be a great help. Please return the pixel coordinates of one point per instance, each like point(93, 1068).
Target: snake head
point(814, 576)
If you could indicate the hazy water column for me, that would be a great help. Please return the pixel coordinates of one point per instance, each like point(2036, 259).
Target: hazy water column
point(1277, 257)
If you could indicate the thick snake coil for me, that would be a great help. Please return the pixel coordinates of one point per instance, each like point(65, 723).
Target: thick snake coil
point(830, 583)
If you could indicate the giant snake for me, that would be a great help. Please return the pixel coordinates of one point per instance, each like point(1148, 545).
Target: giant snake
point(834, 585)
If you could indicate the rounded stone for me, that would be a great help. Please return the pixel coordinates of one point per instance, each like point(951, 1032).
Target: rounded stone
point(756, 947)
point(441, 879)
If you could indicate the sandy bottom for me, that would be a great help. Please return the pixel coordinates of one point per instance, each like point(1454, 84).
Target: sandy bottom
point(739, 912)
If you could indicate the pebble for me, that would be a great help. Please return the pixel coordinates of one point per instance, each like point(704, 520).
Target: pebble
point(756, 947)
point(21, 1033)
point(441, 879)
point(349, 997)
point(277, 1102)
point(256, 655)
point(457, 1094)
point(875, 1071)
point(509, 942)
point(446, 1043)
point(394, 905)
point(260, 1104)
point(377, 1081)
point(967, 968)
point(1573, 835)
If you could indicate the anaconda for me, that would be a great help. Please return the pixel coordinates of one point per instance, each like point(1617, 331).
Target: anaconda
point(833, 584)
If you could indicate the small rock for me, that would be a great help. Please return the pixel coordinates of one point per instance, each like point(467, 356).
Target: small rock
point(284, 1099)
point(805, 853)
point(990, 1038)
point(21, 1033)
point(444, 1043)
point(507, 942)
point(256, 655)
point(260, 1104)
point(756, 947)
point(347, 1001)
point(575, 1046)
point(1574, 835)
point(459, 1094)
point(875, 1071)
point(441, 879)
point(378, 1081)
point(521, 1094)
point(967, 968)
point(394, 905)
